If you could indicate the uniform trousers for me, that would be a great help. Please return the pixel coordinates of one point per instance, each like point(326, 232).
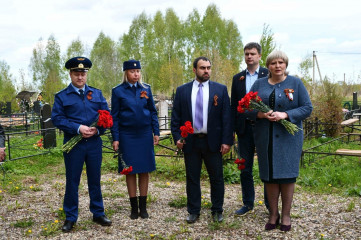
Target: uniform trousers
point(88, 151)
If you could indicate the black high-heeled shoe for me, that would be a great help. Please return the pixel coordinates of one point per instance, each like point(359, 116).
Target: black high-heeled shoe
point(271, 226)
point(285, 228)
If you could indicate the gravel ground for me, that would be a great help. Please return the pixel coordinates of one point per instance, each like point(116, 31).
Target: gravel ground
point(313, 216)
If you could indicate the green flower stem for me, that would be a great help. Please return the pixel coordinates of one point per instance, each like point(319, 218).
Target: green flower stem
point(260, 106)
point(68, 146)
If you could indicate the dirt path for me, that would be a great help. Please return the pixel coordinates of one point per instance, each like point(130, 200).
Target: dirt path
point(313, 216)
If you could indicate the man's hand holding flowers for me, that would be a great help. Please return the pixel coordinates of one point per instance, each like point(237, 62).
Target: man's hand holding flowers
point(87, 132)
point(185, 130)
point(104, 120)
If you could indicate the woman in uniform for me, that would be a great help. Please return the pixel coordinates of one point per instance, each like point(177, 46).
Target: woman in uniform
point(135, 131)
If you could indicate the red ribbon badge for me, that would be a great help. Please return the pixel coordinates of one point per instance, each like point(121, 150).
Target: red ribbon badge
point(89, 95)
point(289, 93)
point(143, 94)
point(215, 102)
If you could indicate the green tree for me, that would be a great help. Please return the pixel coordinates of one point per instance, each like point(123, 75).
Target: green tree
point(154, 51)
point(7, 88)
point(106, 70)
point(267, 43)
point(131, 43)
point(167, 45)
point(36, 66)
point(75, 49)
point(193, 39)
point(304, 68)
point(170, 76)
point(46, 66)
point(163, 49)
point(22, 84)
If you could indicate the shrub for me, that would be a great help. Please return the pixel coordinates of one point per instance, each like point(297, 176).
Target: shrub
point(327, 105)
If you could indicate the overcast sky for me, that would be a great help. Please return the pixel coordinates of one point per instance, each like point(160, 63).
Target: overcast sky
point(331, 28)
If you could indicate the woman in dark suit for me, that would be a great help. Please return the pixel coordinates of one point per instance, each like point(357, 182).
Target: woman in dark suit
point(278, 151)
point(134, 132)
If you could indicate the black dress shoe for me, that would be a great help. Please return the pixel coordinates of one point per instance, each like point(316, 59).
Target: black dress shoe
point(68, 226)
point(217, 217)
point(102, 220)
point(191, 218)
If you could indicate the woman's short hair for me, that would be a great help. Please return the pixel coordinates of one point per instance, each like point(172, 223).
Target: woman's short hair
point(276, 55)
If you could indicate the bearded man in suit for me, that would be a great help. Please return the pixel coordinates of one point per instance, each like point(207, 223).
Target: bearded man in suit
point(206, 104)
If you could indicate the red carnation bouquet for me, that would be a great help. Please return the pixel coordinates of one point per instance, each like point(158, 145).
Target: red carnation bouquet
point(252, 101)
point(185, 130)
point(104, 120)
point(241, 163)
point(126, 169)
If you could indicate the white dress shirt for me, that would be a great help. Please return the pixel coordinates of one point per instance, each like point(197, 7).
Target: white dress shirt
point(250, 79)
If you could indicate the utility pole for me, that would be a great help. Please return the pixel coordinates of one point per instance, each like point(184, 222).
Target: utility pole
point(318, 67)
point(313, 67)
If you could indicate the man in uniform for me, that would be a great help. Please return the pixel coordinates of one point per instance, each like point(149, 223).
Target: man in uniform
point(75, 109)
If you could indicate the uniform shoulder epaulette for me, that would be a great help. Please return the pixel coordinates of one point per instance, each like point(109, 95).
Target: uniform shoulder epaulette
point(117, 85)
point(147, 84)
point(94, 87)
point(62, 90)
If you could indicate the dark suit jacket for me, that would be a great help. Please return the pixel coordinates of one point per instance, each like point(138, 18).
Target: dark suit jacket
point(238, 92)
point(219, 126)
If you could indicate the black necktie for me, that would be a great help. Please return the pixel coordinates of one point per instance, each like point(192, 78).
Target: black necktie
point(134, 89)
point(81, 93)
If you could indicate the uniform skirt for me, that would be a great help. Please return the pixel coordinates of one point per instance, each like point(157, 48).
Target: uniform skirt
point(138, 151)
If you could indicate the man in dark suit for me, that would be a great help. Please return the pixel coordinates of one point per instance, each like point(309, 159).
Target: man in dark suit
point(206, 104)
point(242, 83)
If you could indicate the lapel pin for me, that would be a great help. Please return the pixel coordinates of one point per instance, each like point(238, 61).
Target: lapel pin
point(215, 100)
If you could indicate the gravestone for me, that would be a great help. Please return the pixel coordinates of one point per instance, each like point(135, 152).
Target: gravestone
point(37, 107)
point(49, 135)
point(354, 102)
point(163, 114)
point(8, 108)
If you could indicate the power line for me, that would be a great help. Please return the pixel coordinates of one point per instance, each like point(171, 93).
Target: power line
point(342, 53)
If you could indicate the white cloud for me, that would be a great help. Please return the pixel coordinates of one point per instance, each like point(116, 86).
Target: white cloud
point(323, 41)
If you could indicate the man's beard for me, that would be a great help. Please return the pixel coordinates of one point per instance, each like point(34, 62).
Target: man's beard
point(203, 79)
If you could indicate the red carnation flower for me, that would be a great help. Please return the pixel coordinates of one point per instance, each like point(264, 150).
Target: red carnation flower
point(186, 129)
point(241, 166)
